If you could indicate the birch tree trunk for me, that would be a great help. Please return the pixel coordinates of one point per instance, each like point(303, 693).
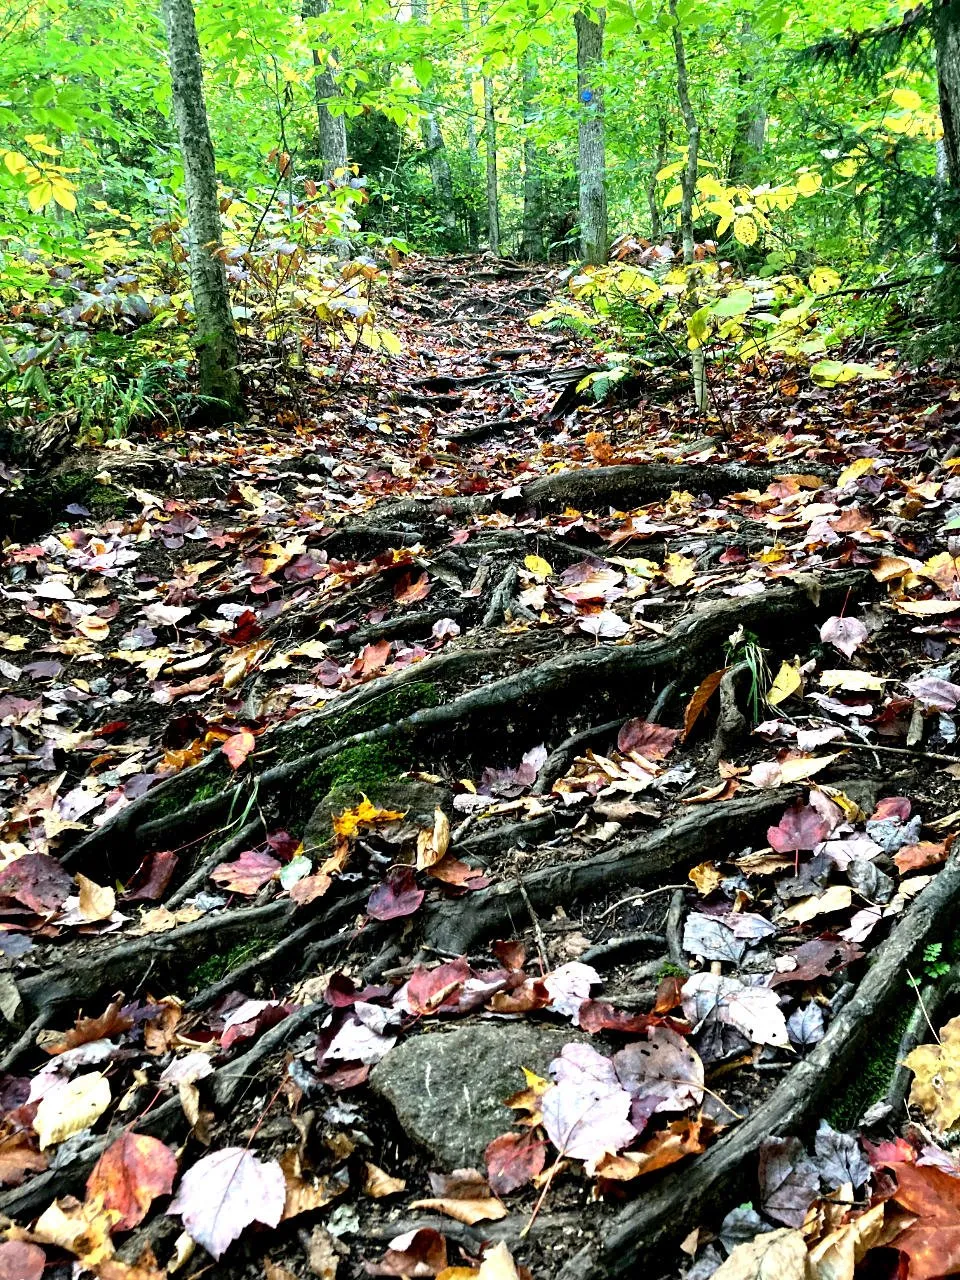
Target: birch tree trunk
point(592, 164)
point(532, 249)
point(436, 151)
point(689, 187)
point(490, 139)
point(946, 31)
point(473, 146)
point(216, 338)
point(331, 129)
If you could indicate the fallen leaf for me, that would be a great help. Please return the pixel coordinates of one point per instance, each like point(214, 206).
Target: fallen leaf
point(398, 896)
point(652, 741)
point(421, 1252)
point(932, 1243)
point(224, 1192)
point(801, 827)
point(36, 880)
point(96, 902)
point(69, 1106)
point(837, 897)
point(81, 1229)
point(377, 1183)
point(513, 1160)
point(845, 634)
point(701, 696)
point(130, 1175)
point(789, 1181)
point(774, 1255)
point(754, 1011)
point(787, 682)
point(238, 746)
point(246, 874)
point(21, 1261)
point(936, 1078)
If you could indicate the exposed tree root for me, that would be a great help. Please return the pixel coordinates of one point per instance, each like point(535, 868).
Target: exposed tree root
point(678, 1199)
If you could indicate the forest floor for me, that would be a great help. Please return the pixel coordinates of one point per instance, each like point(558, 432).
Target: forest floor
point(432, 740)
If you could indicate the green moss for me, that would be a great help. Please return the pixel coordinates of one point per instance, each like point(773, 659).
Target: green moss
point(386, 708)
point(670, 970)
point(874, 1069)
point(364, 767)
point(216, 967)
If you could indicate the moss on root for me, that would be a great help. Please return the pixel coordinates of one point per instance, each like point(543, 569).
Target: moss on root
point(873, 1074)
point(217, 966)
point(385, 708)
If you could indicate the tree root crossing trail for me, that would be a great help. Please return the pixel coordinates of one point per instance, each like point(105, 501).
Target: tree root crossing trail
point(440, 738)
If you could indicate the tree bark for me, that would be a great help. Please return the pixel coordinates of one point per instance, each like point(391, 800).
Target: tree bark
point(473, 147)
point(435, 148)
point(689, 188)
point(490, 140)
point(659, 159)
point(750, 127)
point(331, 129)
point(946, 32)
point(592, 164)
point(533, 247)
point(216, 338)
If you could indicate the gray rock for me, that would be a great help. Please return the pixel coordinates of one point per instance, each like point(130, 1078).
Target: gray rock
point(448, 1087)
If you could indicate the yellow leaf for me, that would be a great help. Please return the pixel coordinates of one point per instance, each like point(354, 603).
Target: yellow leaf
point(71, 1105)
point(39, 195)
point(788, 681)
point(706, 877)
point(855, 470)
point(852, 681)
point(390, 342)
point(365, 814)
point(93, 628)
point(745, 230)
point(433, 842)
point(15, 162)
point(809, 184)
point(81, 1229)
point(803, 767)
point(907, 99)
point(679, 569)
point(538, 566)
point(64, 197)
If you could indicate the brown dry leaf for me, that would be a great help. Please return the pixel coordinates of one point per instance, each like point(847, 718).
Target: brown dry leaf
point(774, 1255)
point(936, 1078)
point(146, 1267)
point(273, 1271)
point(837, 898)
point(322, 1257)
point(835, 1257)
point(110, 1023)
point(97, 902)
point(18, 1157)
point(469, 1211)
point(701, 696)
point(528, 1099)
point(497, 1264)
point(129, 1176)
point(71, 1105)
point(724, 790)
point(304, 1194)
point(433, 843)
point(161, 919)
point(377, 1183)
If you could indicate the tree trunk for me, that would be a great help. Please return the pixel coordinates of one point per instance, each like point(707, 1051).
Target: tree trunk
point(659, 160)
point(592, 165)
point(533, 249)
point(216, 338)
point(689, 188)
point(473, 146)
point(331, 129)
point(433, 144)
point(490, 139)
point(750, 127)
point(946, 30)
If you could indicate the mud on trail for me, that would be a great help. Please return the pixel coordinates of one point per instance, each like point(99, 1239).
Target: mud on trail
point(438, 773)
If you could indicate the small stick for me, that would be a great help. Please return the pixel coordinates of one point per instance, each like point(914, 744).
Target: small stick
point(918, 754)
point(534, 920)
point(639, 897)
